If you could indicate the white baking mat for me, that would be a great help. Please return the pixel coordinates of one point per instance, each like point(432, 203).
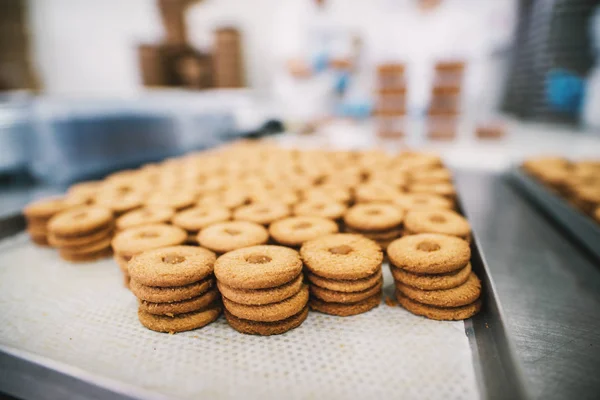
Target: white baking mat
point(80, 316)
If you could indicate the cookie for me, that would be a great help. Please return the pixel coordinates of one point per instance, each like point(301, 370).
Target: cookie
point(342, 256)
point(227, 236)
point(429, 253)
point(376, 192)
point(266, 328)
point(332, 296)
point(269, 312)
point(323, 208)
point(390, 234)
point(87, 248)
point(444, 189)
point(422, 201)
point(182, 306)
point(373, 217)
point(431, 281)
point(144, 216)
point(133, 241)
point(157, 294)
point(446, 222)
point(120, 199)
point(171, 266)
point(177, 200)
point(180, 322)
point(294, 231)
point(58, 241)
point(84, 192)
point(356, 285)
point(80, 221)
point(261, 296)
point(45, 208)
point(230, 199)
point(40, 240)
point(335, 193)
point(439, 313)
point(262, 213)
point(197, 218)
point(85, 257)
point(460, 295)
point(345, 309)
point(258, 267)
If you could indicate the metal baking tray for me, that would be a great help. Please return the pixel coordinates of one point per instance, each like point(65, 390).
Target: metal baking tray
point(497, 371)
point(581, 227)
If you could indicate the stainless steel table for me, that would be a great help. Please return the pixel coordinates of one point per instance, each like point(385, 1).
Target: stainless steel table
point(547, 286)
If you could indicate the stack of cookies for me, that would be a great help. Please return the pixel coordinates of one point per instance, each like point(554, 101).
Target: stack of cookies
point(133, 241)
point(262, 289)
point(294, 231)
point(38, 214)
point(344, 271)
point(232, 235)
point(377, 221)
point(82, 234)
point(433, 276)
point(446, 222)
point(175, 288)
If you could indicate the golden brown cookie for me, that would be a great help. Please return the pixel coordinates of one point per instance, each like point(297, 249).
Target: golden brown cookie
point(439, 313)
point(342, 256)
point(40, 240)
point(258, 267)
point(80, 221)
point(332, 296)
point(373, 217)
point(230, 199)
point(227, 236)
point(85, 257)
point(145, 216)
point(422, 201)
point(58, 241)
point(84, 192)
point(87, 248)
point(177, 200)
point(376, 192)
point(356, 285)
point(261, 296)
point(182, 306)
point(269, 312)
point(172, 266)
point(431, 281)
point(446, 222)
point(157, 294)
point(266, 328)
point(390, 234)
point(460, 295)
point(323, 208)
point(339, 194)
point(262, 213)
point(120, 199)
point(445, 189)
point(197, 218)
point(294, 231)
point(345, 309)
point(180, 322)
point(429, 253)
point(133, 241)
point(45, 208)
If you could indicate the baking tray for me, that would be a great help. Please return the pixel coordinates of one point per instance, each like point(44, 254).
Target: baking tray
point(581, 227)
point(497, 373)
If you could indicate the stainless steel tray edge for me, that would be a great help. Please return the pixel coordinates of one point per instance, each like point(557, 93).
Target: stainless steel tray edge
point(580, 226)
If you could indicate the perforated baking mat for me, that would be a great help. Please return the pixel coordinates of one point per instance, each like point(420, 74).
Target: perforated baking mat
point(79, 317)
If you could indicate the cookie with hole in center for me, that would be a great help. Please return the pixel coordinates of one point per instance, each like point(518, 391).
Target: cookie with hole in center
point(180, 322)
point(373, 217)
point(258, 267)
point(429, 253)
point(294, 231)
point(446, 222)
point(135, 240)
point(323, 208)
point(439, 313)
point(422, 201)
point(262, 213)
point(232, 235)
point(172, 266)
point(197, 218)
point(80, 221)
point(345, 309)
point(145, 216)
point(342, 256)
point(457, 296)
point(250, 327)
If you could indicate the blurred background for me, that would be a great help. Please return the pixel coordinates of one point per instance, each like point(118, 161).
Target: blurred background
point(90, 86)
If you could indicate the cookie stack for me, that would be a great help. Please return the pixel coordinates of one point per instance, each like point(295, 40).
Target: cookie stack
point(132, 241)
point(344, 271)
point(446, 222)
point(433, 276)
point(82, 234)
point(38, 214)
point(175, 288)
point(262, 289)
point(294, 231)
point(377, 221)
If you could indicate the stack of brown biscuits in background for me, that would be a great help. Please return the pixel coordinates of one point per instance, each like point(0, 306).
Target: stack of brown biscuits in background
point(38, 214)
point(344, 271)
point(262, 289)
point(175, 288)
point(377, 221)
point(133, 241)
point(433, 276)
point(82, 234)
